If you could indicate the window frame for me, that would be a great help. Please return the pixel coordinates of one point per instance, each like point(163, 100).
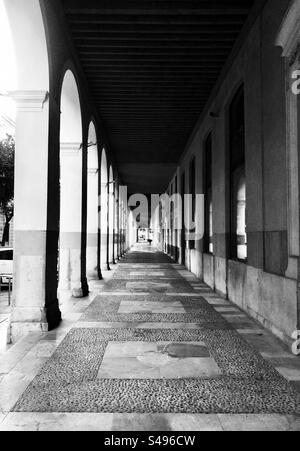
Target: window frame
point(192, 191)
point(208, 194)
point(237, 163)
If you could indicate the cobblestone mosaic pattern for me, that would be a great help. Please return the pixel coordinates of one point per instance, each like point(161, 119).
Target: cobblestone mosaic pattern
point(154, 285)
point(150, 257)
point(197, 310)
point(149, 273)
point(150, 343)
point(69, 380)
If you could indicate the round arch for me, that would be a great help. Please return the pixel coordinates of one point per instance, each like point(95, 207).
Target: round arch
point(35, 305)
point(93, 157)
point(111, 215)
point(104, 212)
point(70, 107)
point(238, 86)
point(31, 54)
point(70, 188)
point(93, 267)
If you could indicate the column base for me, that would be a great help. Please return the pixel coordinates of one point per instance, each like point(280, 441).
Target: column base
point(53, 316)
point(20, 330)
point(104, 269)
point(81, 290)
point(93, 275)
point(85, 287)
point(77, 293)
point(26, 320)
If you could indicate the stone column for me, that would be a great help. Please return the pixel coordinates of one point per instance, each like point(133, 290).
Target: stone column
point(127, 230)
point(107, 232)
point(115, 230)
point(155, 226)
point(120, 225)
point(121, 229)
point(104, 227)
point(70, 219)
point(29, 311)
point(124, 230)
point(93, 272)
point(111, 206)
point(117, 226)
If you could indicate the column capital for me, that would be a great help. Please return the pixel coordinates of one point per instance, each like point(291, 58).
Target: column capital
point(93, 171)
point(30, 101)
point(70, 149)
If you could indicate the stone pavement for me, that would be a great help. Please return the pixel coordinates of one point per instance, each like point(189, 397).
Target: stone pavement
point(151, 349)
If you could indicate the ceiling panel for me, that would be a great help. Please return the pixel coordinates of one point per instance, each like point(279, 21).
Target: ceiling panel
point(151, 66)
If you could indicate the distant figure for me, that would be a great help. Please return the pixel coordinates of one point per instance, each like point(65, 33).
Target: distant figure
point(150, 237)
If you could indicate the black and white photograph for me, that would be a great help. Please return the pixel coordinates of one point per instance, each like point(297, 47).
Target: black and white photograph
point(150, 218)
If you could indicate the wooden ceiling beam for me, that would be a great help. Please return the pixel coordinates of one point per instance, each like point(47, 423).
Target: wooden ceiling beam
point(152, 7)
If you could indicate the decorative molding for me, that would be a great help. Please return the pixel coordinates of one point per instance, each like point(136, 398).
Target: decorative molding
point(289, 35)
point(30, 101)
point(70, 149)
point(93, 171)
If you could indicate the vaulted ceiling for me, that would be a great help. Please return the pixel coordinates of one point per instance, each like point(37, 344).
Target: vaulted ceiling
point(151, 66)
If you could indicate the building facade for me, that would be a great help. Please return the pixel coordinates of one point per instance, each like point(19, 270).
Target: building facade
point(245, 149)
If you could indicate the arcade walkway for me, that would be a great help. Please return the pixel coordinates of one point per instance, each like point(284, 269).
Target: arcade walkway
point(152, 348)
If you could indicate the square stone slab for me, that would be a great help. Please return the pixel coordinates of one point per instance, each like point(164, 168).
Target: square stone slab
point(148, 286)
point(144, 266)
point(147, 273)
point(151, 307)
point(162, 360)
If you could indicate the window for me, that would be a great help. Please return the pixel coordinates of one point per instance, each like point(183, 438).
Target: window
point(183, 228)
point(193, 200)
point(176, 219)
point(208, 212)
point(238, 231)
point(171, 221)
point(171, 211)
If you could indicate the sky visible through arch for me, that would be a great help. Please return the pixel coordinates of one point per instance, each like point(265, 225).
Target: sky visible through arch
point(8, 74)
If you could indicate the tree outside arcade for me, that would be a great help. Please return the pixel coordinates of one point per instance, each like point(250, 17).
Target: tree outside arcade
point(7, 153)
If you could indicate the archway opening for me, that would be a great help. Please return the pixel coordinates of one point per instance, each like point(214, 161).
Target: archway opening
point(93, 267)
point(104, 213)
point(111, 216)
point(8, 82)
point(8, 76)
point(70, 190)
